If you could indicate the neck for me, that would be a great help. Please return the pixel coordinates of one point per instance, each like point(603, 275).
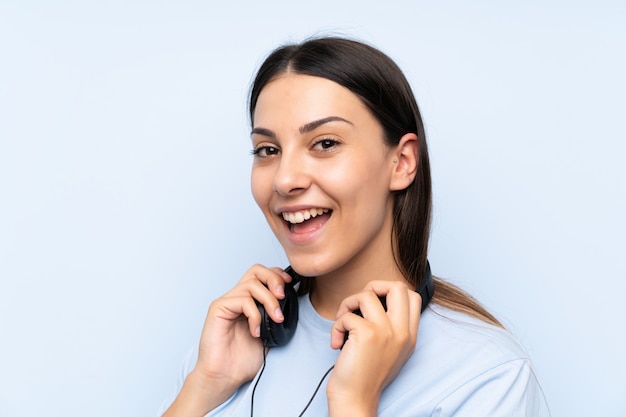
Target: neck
point(373, 262)
point(331, 289)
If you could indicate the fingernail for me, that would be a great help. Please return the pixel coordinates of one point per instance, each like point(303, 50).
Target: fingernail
point(280, 290)
point(257, 331)
point(279, 314)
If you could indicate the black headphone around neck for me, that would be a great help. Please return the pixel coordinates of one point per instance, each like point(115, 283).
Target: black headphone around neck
point(278, 334)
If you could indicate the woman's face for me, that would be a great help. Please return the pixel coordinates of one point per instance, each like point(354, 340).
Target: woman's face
point(321, 174)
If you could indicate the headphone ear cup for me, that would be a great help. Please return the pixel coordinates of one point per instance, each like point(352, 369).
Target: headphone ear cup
point(279, 334)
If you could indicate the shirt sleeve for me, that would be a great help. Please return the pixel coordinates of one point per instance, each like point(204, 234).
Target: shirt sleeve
point(510, 390)
point(187, 366)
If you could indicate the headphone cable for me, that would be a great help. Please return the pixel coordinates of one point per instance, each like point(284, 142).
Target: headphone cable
point(257, 383)
point(316, 389)
point(259, 378)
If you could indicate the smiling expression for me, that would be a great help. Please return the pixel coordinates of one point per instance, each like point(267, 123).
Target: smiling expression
point(321, 175)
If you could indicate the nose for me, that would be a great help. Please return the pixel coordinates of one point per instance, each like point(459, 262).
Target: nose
point(292, 176)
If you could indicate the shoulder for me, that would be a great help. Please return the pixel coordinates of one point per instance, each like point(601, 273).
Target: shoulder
point(454, 334)
point(462, 364)
point(463, 347)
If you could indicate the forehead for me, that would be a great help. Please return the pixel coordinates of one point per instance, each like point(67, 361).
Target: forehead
point(301, 98)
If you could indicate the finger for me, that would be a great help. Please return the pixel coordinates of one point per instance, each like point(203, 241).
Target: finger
point(266, 286)
point(366, 301)
point(396, 295)
point(277, 284)
point(344, 324)
point(273, 278)
point(403, 309)
point(236, 308)
point(286, 277)
point(415, 309)
point(261, 294)
point(251, 311)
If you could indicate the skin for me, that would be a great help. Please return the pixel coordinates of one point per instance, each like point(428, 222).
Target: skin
point(317, 146)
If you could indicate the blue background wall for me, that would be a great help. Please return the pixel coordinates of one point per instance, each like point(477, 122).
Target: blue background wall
point(124, 182)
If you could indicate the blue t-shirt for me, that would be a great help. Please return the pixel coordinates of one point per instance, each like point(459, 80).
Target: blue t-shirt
point(461, 366)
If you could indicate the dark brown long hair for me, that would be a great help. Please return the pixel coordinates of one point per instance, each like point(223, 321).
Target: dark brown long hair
point(383, 88)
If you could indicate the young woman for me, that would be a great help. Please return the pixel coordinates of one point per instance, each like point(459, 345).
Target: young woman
point(341, 173)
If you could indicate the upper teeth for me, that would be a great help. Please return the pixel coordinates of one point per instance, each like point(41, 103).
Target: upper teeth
point(302, 215)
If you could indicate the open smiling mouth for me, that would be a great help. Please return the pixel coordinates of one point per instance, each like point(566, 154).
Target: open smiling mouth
point(304, 221)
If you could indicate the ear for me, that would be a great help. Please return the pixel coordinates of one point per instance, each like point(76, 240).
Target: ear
point(404, 158)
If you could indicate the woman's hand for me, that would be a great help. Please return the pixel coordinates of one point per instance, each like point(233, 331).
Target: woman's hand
point(378, 345)
point(230, 351)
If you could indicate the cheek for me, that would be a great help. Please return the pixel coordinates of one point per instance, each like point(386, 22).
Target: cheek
point(259, 186)
point(362, 185)
point(362, 175)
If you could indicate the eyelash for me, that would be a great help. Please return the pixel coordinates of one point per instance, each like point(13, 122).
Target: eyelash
point(326, 145)
point(328, 141)
point(257, 152)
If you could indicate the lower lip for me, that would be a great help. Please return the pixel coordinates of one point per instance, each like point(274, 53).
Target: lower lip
point(309, 236)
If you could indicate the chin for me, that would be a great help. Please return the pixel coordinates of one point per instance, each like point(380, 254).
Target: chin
point(305, 270)
point(307, 266)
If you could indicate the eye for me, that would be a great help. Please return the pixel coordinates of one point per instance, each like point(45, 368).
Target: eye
point(326, 144)
point(265, 151)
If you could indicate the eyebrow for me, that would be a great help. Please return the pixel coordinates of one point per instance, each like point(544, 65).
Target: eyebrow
point(304, 128)
point(263, 131)
point(317, 123)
